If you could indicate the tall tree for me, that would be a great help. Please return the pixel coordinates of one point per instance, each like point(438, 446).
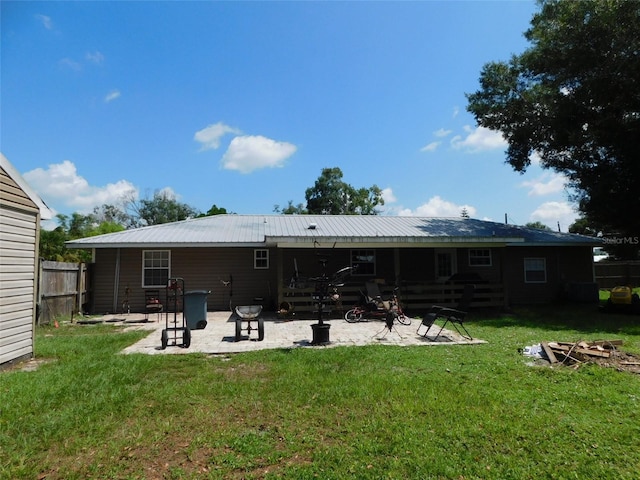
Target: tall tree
point(538, 225)
point(214, 210)
point(114, 214)
point(330, 195)
point(162, 208)
point(52, 245)
point(573, 98)
point(291, 209)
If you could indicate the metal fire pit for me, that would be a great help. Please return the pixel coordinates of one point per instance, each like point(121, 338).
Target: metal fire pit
point(249, 314)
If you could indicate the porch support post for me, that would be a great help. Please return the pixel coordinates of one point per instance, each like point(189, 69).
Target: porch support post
point(396, 266)
point(279, 278)
point(505, 288)
point(116, 282)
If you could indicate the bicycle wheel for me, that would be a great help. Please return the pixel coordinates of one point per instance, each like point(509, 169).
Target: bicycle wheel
point(353, 316)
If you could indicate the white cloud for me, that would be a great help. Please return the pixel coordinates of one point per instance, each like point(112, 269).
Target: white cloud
point(61, 184)
point(456, 111)
point(478, 140)
point(535, 158)
point(252, 152)
point(45, 20)
point(550, 213)
point(442, 133)
point(111, 96)
point(388, 196)
point(430, 147)
point(95, 57)
point(70, 64)
point(437, 207)
point(169, 193)
point(209, 137)
point(546, 184)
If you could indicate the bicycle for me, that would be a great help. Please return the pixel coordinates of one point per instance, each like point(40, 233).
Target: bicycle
point(375, 307)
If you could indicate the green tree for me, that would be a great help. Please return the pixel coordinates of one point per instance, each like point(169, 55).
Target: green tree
point(573, 98)
point(162, 208)
point(214, 210)
point(52, 245)
point(583, 226)
point(115, 214)
point(330, 195)
point(538, 225)
point(291, 209)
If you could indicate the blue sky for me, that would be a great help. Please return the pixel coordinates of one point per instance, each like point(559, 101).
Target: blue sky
point(241, 104)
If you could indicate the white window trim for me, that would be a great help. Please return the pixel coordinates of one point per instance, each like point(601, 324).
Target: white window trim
point(145, 268)
point(256, 259)
point(544, 263)
point(490, 257)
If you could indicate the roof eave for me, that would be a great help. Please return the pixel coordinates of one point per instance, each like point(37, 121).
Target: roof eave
point(342, 242)
point(163, 245)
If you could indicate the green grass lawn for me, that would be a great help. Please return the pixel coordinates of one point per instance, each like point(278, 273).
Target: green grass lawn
point(459, 412)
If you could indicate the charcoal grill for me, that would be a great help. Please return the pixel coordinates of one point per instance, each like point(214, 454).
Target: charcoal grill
point(248, 320)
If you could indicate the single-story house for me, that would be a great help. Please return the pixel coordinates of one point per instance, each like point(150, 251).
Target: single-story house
point(20, 212)
point(275, 260)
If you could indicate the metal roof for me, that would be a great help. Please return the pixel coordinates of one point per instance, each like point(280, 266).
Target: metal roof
point(308, 230)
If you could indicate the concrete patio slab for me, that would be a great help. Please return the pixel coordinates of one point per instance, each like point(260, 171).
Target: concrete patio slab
point(218, 337)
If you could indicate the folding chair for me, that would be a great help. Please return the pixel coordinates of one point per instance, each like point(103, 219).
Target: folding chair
point(152, 303)
point(454, 316)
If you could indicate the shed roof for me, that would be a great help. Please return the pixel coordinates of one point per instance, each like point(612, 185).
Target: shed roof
point(7, 166)
point(340, 230)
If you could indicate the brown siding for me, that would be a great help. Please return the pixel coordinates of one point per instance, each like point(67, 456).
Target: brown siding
point(491, 274)
point(201, 269)
point(103, 281)
point(308, 261)
point(417, 264)
point(209, 268)
point(565, 265)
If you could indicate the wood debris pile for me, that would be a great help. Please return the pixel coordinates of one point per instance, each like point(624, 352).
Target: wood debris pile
point(602, 352)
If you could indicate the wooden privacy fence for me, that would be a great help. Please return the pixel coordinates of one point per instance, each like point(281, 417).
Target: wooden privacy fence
point(612, 274)
point(63, 290)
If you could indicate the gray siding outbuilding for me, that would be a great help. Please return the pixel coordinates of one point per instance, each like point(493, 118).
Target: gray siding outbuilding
point(20, 212)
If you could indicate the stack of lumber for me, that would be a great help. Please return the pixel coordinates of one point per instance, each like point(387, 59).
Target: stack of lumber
point(578, 353)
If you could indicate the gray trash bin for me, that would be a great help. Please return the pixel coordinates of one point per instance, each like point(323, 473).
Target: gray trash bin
point(195, 308)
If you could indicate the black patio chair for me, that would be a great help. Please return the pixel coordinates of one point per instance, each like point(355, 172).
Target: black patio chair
point(152, 303)
point(454, 316)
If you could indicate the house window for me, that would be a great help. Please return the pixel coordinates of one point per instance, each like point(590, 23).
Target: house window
point(364, 262)
point(260, 259)
point(479, 257)
point(535, 270)
point(155, 268)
